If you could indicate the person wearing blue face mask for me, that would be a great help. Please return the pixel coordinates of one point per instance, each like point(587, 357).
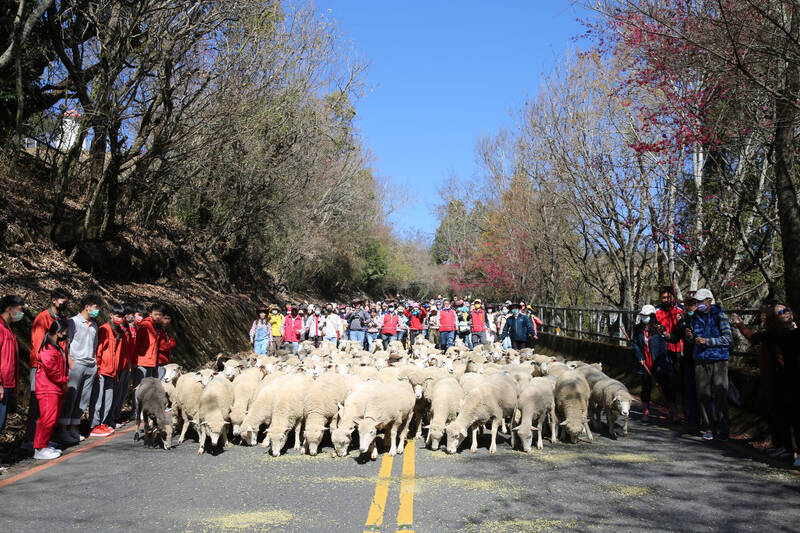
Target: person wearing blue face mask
point(713, 340)
point(517, 328)
point(11, 310)
point(82, 351)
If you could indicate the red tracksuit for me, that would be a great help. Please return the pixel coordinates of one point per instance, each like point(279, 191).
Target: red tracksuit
point(51, 376)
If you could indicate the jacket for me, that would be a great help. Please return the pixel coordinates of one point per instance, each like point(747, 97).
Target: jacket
point(669, 317)
point(165, 346)
point(110, 349)
point(314, 325)
point(716, 329)
point(292, 328)
point(128, 358)
point(416, 322)
point(52, 372)
point(357, 319)
point(478, 319)
point(147, 344)
point(39, 328)
point(447, 320)
point(9, 356)
point(277, 322)
point(518, 328)
point(389, 326)
point(655, 347)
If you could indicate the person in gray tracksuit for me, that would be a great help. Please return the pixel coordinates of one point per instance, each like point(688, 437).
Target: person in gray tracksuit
point(82, 343)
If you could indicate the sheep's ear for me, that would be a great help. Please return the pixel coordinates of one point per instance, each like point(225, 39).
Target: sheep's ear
point(564, 423)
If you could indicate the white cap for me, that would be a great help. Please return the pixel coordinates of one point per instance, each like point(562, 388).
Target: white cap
point(648, 310)
point(703, 294)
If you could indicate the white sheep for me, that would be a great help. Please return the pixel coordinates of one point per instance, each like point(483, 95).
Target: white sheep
point(245, 388)
point(572, 404)
point(352, 409)
point(287, 411)
point(470, 380)
point(321, 407)
point(186, 401)
point(232, 368)
point(536, 404)
point(446, 400)
point(260, 411)
point(611, 396)
point(213, 413)
point(390, 408)
point(494, 399)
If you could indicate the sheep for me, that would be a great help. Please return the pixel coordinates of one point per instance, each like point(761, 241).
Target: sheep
point(494, 399)
point(470, 380)
point(232, 368)
point(611, 396)
point(260, 412)
point(287, 412)
point(206, 375)
point(572, 402)
point(389, 408)
point(521, 376)
point(555, 369)
point(172, 372)
point(366, 372)
point(321, 406)
point(445, 403)
point(536, 403)
point(353, 408)
point(245, 387)
point(186, 400)
point(214, 410)
point(388, 374)
point(151, 403)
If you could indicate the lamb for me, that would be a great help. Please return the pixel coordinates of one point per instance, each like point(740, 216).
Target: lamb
point(536, 403)
point(172, 372)
point(214, 410)
point(151, 403)
point(494, 399)
point(186, 400)
point(521, 376)
point(611, 396)
point(389, 408)
point(321, 407)
point(555, 369)
point(445, 403)
point(287, 412)
point(245, 388)
point(260, 412)
point(572, 402)
point(353, 408)
point(232, 368)
point(470, 380)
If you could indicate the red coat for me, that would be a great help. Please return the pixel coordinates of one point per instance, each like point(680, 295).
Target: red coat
point(415, 322)
point(165, 346)
point(52, 372)
point(447, 320)
point(292, 327)
point(390, 324)
point(111, 350)
point(669, 319)
point(127, 359)
point(41, 324)
point(9, 357)
point(478, 320)
point(147, 344)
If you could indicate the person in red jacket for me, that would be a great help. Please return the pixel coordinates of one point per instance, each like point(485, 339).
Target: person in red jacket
point(292, 328)
point(147, 346)
point(110, 349)
point(59, 301)
point(126, 364)
point(415, 321)
point(52, 377)
point(389, 324)
point(479, 324)
point(166, 344)
point(11, 310)
point(447, 325)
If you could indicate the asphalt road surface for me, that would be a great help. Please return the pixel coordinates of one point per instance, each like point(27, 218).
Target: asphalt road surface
point(653, 480)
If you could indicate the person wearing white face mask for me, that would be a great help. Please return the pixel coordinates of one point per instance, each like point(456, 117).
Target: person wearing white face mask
point(11, 310)
point(650, 348)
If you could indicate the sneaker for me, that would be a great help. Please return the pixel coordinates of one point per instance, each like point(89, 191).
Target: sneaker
point(108, 428)
point(99, 431)
point(65, 437)
point(708, 435)
point(53, 444)
point(46, 453)
point(27, 445)
point(118, 425)
point(76, 435)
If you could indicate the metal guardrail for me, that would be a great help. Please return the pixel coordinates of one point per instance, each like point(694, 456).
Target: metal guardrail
point(609, 325)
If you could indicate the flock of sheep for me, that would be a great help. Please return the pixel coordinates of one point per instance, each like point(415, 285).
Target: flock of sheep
point(451, 395)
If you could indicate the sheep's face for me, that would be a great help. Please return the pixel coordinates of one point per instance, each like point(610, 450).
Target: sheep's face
point(342, 369)
point(573, 429)
point(525, 435)
point(232, 369)
point(447, 364)
point(313, 436)
point(249, 436)
point(341, 441)
point(622, 405)
point(380, 363)
point(435, 435)
point(545, 368)
point(418, 392)
point(366, 433)
point(277, 439)
point(172, 371)
point(456, 433)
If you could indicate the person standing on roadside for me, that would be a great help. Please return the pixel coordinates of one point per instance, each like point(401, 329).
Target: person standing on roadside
point(82, 349)
point(650, 348)
point(712, 347)
point(59, 301)
point(479, 323)
point(683, 332)
point(261, 332)
point(166, 343)
point(447, 325)
point(110, 349)
point(11, 310)
point(276, 322)
point(52, 376)
point(518, 328)
point(416, 322)
point(357, 320)
point(292, 329)
point(389, 324)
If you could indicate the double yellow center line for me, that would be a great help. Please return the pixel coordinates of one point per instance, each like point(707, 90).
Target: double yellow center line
point(405, 514)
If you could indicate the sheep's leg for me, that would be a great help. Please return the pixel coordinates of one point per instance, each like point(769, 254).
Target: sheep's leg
point(611, 421)
point(184, 427)
point(495, 427)
point(393, 437)
point(373, 454)
point(512, 439)
point(265, 442)
point(297, 434)
point(418, 416)
point(404, 433)
point(539, 445)
point(202, 433)
point(225, 442)
point(474, 446)
point(625, 427)
point(588, 431)
point(553, 424)
point(503, 427)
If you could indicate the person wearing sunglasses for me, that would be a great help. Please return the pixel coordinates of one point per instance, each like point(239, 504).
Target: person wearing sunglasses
point(779, 364)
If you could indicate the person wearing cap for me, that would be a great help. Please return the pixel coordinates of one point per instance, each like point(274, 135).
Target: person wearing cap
point(713, 340)
point(518, 328)
point(650, 348)
point(275, 321)
point(388, 324)
point(416, 321)
point(261, 332)
point(314, 326)
point(479, 323)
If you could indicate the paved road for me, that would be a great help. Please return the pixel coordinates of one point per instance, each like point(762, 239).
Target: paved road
point(654, 480)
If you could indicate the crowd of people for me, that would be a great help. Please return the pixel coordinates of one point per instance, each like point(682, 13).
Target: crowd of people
point(440, 320)
point(683, 348)
point(77, 364)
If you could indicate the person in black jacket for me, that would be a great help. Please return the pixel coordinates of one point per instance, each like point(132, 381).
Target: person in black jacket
point(518, 328)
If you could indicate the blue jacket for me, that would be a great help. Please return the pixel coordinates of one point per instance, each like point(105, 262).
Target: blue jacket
point(658, 348)
point(715, 328)
point(518, 328)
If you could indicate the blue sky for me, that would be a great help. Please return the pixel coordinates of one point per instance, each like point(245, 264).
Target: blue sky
point(442, 75)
